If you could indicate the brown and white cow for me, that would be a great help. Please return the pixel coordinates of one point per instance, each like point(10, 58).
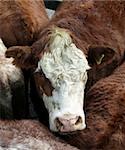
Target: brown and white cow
point(82, 34)
point(21, 21)
point(12, 93)
point(29, 135)
point(105, 115)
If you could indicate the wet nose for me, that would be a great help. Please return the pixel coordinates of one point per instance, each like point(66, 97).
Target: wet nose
point(69, 124)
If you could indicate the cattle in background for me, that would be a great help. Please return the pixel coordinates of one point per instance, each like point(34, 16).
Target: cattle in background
point(21, 21)
point(29, 135)
point(80, 35)
point(12, 97)
point(105, 115)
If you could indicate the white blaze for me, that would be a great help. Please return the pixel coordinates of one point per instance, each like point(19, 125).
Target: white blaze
point(65, 66)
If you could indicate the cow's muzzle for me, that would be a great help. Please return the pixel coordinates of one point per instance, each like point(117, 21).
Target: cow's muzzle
point(69, 123)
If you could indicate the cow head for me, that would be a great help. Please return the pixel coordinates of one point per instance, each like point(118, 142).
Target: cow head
point(61, 76)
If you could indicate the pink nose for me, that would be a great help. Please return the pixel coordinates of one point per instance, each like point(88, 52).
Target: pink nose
point(68, 124)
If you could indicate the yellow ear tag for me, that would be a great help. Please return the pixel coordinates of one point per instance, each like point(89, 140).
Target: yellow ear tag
point(98, 61)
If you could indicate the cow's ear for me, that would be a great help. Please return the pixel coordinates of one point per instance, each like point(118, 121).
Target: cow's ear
point(23, 56)
point(99, 55)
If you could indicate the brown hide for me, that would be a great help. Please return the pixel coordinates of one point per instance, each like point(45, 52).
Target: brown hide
point(30, 135)
point(105, 117)
point(21, 21)
point(94, 25)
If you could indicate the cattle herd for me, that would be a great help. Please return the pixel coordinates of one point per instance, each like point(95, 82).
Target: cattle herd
point(62, 80)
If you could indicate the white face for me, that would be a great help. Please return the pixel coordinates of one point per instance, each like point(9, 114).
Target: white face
point(66, 68)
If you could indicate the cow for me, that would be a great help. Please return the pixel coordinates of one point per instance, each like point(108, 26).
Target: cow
point(79, 36)
point(12, 93)
point(21, 21)
point(29, 135)
point(105, 115)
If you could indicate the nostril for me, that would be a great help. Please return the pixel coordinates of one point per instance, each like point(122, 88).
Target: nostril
point(78, 121)
point(58, 123)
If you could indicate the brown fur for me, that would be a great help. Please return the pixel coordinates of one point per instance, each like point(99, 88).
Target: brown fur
point(94, 25)
point(21, 21)
point(28, 134)
point(105, 117)
point(41, 79)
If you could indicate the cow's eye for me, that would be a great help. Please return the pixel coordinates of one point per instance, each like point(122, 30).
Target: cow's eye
point(43, 84)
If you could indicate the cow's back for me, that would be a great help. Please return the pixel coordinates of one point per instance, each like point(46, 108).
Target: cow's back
point(20, 21)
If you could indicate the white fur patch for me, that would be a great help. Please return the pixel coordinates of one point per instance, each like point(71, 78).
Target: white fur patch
point(7, 69)
point(66, 67)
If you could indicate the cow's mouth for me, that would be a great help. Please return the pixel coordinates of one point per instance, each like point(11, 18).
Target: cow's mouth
point(66, 134)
